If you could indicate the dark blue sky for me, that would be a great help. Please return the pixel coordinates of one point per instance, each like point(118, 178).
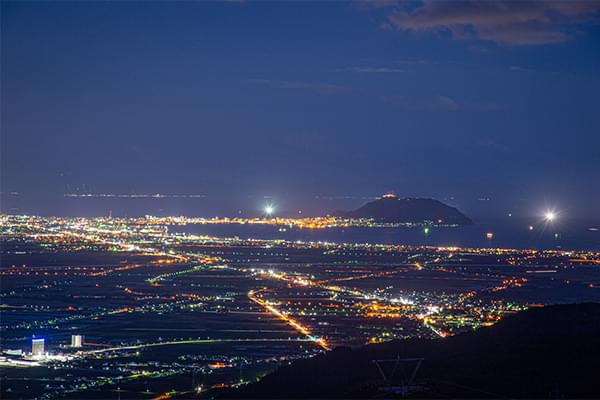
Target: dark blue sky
point(235, 99)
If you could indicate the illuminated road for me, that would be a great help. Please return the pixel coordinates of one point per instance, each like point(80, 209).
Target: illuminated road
point(193, 341)
point(289, 320)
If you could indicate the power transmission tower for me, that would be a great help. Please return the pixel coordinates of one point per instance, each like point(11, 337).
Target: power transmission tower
point(407, 376)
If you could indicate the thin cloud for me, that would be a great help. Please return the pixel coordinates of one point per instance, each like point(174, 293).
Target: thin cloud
point(321, 88)
point(492, 144)
point(371, 70)
point(375, 3)
point(411, 103)
point(416, 62)
point(521, 69)
point(438, 103)
point(526, 22)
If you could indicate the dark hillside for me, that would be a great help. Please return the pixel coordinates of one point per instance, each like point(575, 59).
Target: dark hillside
point(391, 208)
point(543, 352)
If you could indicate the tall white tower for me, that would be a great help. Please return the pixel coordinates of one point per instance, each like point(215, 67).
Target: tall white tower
point(37, 347)
point(76, 341)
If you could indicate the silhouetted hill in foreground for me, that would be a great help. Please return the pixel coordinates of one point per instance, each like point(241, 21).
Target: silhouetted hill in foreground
point(390, 208)
point(543, 352)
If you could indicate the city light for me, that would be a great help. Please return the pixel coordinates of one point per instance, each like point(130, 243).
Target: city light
point(157, 272)
point(550, 216)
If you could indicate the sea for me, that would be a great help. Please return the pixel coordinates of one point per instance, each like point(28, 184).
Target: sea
point(509, 232)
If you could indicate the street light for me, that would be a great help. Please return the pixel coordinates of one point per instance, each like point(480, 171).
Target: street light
point(269, 210)
point(550, 216)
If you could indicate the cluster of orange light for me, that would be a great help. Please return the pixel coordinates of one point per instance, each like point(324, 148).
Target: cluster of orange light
point(585, 260)
point(304, 223)
point(163, 261)
point(129, 291)
point(192, 296)
point(510, 283)
point(383, 315)
point(376, 310)
point(164, 396)
point(123, 310)
point(218, 365)
point(428, 322)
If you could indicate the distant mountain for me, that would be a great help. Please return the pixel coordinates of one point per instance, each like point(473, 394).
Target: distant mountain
point(545, 352)
point(391, 208)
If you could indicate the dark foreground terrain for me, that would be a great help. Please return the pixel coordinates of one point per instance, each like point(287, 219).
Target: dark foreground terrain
point(550, 352)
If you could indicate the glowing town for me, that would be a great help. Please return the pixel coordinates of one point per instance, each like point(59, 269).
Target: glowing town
point(132, 305)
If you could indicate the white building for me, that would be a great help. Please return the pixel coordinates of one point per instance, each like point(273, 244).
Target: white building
point(76, 341)
point(37, 347)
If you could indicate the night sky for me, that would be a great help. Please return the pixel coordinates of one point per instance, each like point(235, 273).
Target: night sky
point(241, 100)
